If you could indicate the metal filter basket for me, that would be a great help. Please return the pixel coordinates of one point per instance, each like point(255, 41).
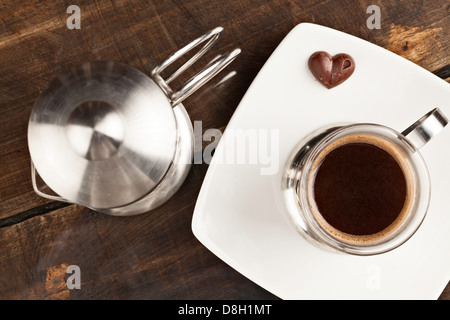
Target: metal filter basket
point(108, 137)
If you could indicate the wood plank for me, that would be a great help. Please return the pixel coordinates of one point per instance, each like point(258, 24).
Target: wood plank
point(150, 256)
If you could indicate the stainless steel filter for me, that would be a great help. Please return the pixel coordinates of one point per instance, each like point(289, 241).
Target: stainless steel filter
point(106, 136)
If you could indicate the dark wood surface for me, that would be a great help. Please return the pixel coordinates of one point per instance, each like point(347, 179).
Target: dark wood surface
point(154, 255)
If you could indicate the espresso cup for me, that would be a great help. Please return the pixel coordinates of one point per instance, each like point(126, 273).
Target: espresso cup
point(361, 188)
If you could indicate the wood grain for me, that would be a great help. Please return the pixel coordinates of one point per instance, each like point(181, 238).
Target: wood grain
point(154, 255)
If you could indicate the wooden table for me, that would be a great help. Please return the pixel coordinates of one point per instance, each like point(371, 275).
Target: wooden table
point(154, 255)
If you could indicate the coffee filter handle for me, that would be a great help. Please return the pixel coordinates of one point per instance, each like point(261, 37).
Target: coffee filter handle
point(421, 131)
point(39, 192)
point(198, 80)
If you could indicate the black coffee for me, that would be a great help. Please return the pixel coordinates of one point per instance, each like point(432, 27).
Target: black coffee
point(359, 187)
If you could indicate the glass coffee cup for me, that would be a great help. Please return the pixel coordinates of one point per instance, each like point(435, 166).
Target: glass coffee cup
point(361, 188)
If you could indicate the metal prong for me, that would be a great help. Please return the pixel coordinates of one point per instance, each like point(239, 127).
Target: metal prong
point(212, 35)
point(211, 69)
point(202, 77)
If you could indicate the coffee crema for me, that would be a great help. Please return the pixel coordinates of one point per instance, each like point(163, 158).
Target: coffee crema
point(361, 188)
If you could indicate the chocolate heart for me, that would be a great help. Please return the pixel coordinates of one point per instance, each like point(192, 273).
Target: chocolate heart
point(331, 71)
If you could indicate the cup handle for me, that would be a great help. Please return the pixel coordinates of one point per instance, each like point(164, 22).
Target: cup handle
point(421, 131)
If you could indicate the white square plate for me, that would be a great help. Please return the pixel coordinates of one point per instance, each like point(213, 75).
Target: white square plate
point(240, 214)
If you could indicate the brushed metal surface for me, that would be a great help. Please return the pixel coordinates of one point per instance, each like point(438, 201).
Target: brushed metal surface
point(102, 135)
